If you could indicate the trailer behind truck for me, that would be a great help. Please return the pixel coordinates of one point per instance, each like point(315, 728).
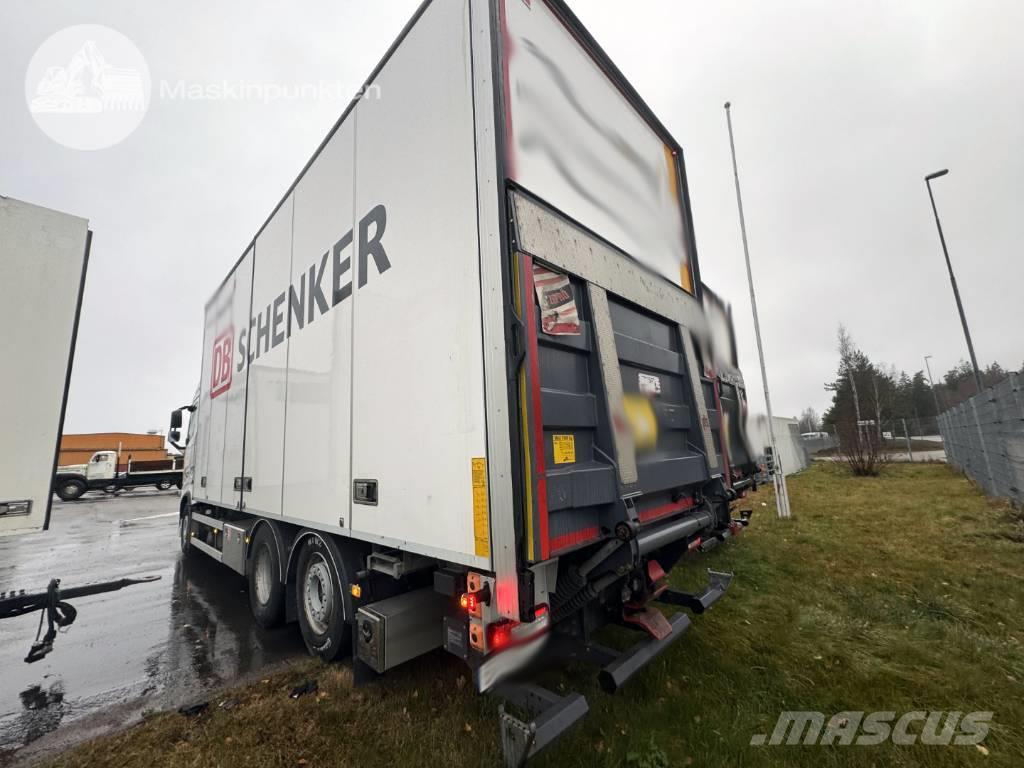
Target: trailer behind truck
point(460, 390)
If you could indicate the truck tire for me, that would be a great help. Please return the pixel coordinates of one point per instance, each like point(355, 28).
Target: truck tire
point(71, 489)
point(266, 591)
point(185, 531)
point(164, 485)
point(322, 603)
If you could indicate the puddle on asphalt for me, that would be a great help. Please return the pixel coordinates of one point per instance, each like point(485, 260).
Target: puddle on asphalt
point(168, 643)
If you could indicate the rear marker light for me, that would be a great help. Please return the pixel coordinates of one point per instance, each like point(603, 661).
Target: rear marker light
point(356, 591)
point(472, 601)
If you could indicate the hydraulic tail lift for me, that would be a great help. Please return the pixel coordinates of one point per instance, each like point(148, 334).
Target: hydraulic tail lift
point(549, 715)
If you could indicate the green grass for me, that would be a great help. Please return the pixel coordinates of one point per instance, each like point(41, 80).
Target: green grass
point(902, 592)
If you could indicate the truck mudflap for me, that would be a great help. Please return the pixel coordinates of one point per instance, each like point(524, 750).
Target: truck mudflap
point(551, 715)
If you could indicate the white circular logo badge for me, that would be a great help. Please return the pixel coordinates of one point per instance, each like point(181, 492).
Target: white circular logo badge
point(87, 87)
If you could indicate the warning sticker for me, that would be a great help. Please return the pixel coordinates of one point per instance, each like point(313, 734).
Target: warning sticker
point(565, 449)
point(649, 384)
point(481, 533)
point(558, 315)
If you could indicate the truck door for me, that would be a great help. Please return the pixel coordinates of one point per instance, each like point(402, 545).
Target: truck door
point(102, 466)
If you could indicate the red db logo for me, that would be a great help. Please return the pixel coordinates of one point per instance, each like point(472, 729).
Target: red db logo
point(220, 363)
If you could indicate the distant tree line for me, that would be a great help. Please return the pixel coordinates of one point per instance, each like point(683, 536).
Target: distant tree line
point(867, 391)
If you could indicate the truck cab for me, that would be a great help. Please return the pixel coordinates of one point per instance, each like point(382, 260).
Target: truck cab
point(102, 466)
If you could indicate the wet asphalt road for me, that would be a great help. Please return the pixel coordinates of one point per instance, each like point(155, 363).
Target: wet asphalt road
point(148, 646)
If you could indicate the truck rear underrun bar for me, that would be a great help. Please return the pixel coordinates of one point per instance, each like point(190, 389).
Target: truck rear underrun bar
point(661, 535)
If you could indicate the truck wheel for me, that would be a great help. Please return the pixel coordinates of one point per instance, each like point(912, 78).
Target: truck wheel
point(69, 490)
point(164, 485)
point(185, 532)
point(266, 592)
point(320, 600)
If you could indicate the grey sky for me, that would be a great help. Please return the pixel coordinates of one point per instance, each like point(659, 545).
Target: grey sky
point(839, 110)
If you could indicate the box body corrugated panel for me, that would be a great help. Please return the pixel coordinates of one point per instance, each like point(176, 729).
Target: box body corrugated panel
point(218, 440)
point(268, 344)
point(363, 348)
point(318, 439)
point(43, 255)
point(418, 415)
point(235, 398)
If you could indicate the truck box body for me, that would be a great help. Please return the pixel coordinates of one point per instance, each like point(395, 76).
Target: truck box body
point(43, 258)
point(378, 363)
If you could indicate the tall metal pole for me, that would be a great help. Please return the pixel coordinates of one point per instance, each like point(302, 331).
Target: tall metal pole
point(778, 477)
point(952, 278)
point(931, 381)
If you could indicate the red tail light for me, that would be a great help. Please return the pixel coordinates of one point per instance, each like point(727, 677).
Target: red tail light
point(501, 634)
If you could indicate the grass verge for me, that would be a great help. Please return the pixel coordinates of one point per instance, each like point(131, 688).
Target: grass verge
point(897, 593)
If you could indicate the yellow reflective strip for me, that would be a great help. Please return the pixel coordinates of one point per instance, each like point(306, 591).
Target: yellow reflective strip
point(527, 472)
point(481, 532)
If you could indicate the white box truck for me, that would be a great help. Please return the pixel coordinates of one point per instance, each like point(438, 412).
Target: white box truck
point(43, 259)
point(458, 391)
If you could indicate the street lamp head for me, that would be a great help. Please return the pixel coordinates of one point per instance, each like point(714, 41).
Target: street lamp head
point(936, 175)
point(727, 105)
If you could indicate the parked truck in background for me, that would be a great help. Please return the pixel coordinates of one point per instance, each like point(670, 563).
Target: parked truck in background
point(101, 473)
point(43, 259)
point(461, 390)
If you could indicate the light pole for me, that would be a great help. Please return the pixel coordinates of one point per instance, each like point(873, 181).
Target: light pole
point(952, 279)
point(931, 381)
point(778, 477)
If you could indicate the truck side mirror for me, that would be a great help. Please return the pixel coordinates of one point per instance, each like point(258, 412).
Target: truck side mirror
point(175, 435)
point(176, 419)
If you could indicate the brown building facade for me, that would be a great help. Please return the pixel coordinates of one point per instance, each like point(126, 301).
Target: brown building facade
point(78, 449)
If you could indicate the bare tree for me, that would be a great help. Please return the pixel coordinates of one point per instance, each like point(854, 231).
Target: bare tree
point(862, 449)
point(809, 421)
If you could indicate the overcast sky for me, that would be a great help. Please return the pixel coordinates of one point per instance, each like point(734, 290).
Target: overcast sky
point(839, 111)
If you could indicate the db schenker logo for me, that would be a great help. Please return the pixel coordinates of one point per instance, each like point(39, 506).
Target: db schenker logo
point(220, 363)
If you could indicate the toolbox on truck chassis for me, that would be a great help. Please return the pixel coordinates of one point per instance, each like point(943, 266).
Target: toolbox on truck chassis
point(465, 389)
